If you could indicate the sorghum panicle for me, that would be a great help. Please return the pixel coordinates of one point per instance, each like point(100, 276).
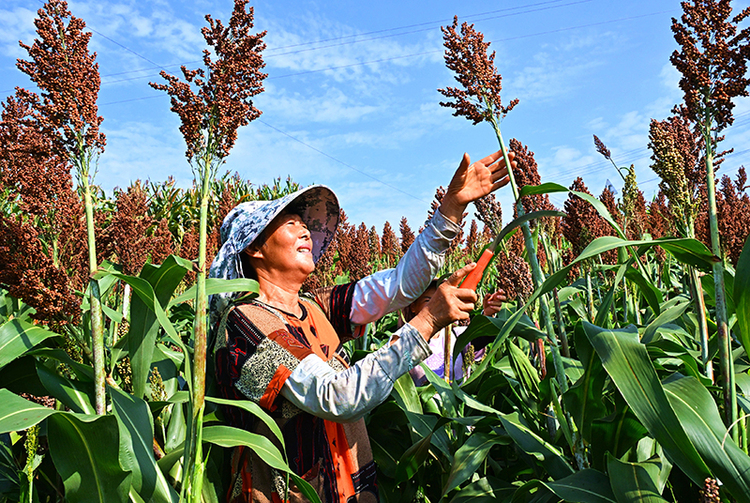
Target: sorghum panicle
point(407, 235)
point(214, 101)
point(466, 54)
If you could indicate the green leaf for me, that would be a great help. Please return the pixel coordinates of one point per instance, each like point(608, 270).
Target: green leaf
point(742, 296)
point(469, 457)
point(646, 288)
point(634, 481)
point(667, 316)
point(255, 410)
point(75, 394)
point(18, 414)
point(517, 222)
point(584, 399)
point(136, 447)
point(549, 455)
point(216, 285)
point(227, 436)
point(485, 490)
point(598, 246)
point(405, 394)
point(146, 304)
point(626, 360)
point(412, 459)
point(448, 399)
point(585, 486)
point(615, 434)
point(699, 416)
point(85, 453)
point(544, 188)
point(154, 286)
point(17, 337)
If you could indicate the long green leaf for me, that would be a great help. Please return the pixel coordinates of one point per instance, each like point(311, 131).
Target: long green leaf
point(158, 283)
point(412, 459)
point(667, 316)
point(626, 361)
point(216, 285)
point(405, 394)
point(85, 453)
point(742, 296)
point(75, 394)
point(254, 409)
point(136, 447)
point(634, 481)
point(227, 436)
point(17, 337)
point(18, 414)
point(485, 490)
point(549, 455)
point(584, 398)
point(585, 486)
point(469, 457)
point(699, 416)
point(151, 303)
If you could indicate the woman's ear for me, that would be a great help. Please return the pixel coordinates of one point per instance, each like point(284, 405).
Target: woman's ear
point(253, 252)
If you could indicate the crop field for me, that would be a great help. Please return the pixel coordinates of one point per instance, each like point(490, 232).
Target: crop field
point(618, 369)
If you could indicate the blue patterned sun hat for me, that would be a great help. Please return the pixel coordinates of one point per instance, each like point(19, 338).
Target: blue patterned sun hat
point(318, 207)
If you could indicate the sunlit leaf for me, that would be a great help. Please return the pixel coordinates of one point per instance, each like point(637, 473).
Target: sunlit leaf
point(85, 453)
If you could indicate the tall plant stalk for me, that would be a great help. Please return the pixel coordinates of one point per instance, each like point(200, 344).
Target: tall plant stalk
point(712, 59)
point(68, 76)
point(536, 270)
point(722, 327)
point(95, 301)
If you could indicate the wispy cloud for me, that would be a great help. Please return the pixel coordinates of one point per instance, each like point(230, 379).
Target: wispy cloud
point(16, 24)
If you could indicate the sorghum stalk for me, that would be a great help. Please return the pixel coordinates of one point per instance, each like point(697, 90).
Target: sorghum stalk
point(195, 470)
point(97, 322)
point(722, 329)
point(536, 272)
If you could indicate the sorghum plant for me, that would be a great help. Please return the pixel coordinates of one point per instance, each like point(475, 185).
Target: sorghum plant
point(407, 235)
point(213, 102)
point(479, 100)
point(712, 59)
point(68, 76)
point(389, 245)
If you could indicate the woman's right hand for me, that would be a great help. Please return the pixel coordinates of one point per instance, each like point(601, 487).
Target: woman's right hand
point(449, 304)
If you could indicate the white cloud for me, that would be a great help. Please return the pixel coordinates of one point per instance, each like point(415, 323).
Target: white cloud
point(16, 24)
point(333, 106)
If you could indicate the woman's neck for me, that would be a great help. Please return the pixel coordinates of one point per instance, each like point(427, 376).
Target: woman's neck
point(283, 297)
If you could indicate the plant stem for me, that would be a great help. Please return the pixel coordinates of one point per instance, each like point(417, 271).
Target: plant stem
point(700, 312)
point(195, 457)
point(536, 272)
point(722, 329)
point(97, 327)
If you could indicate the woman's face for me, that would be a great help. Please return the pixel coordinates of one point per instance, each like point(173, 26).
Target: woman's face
point(287, 249)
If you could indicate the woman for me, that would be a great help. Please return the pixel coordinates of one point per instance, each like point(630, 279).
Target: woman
point(284, 351)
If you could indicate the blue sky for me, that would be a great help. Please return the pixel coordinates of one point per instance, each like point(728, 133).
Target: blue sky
point(351, 98)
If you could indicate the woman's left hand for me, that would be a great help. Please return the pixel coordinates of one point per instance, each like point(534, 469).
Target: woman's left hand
point(493, 303)
point(474, 180)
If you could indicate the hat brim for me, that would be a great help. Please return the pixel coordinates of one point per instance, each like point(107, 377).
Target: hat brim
point(316, 205)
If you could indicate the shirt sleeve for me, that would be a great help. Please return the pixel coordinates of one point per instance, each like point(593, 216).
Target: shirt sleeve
point(385, 291)
point(348, 395)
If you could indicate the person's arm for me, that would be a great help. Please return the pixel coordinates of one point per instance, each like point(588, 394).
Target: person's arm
point(386, 291)
point(391, 289)
point(315, 387)
point(346, 395)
